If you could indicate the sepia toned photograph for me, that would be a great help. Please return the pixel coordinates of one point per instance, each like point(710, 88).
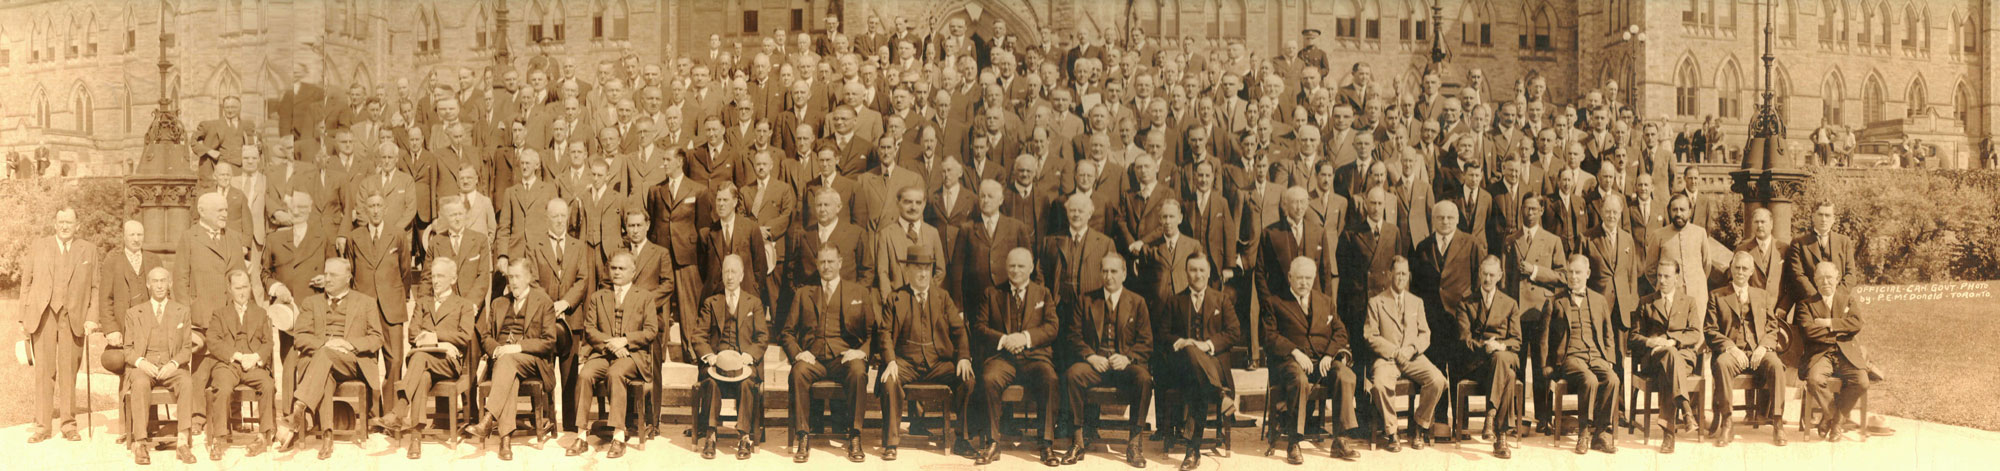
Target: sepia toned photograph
point(1000, 234)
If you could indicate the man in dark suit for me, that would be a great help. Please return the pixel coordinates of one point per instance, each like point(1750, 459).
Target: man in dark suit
point(1293, 236)
point(1198, 330)
point(728, 335)
point(672, 205)
point(222, 139)
point(470, 250)
point(620, 325)
point(338, 336)
point(1019, 327)
point(1806, 253)
point(162, 355)
point(922, 340)
point(1664, 339)
point(1308, 349)
point(1836, 367)
point(733, 235)
point(829, 336)
point(519, 338)
point(299, 107)
point(1211, 220)
point(206, 253)
point(1475, 203)
point(1615, 261)
point(1070, 261)
point(1367, 250)
point(1579, 341)
point(1746, 333)
point(296, 255)
point(380, 254)
point(982, 250)
point(1444, 269)
point(1489, 326)
point(442, 330)
point(1766, 252)
point(121, 279)
point(1110, 341)
point(239, 347)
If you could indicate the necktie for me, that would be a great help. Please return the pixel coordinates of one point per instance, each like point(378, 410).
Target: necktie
point(913, 232)
point(1197, 329)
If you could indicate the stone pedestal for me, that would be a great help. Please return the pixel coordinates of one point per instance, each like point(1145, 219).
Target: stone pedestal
point(1770, 181)
point(163, 188)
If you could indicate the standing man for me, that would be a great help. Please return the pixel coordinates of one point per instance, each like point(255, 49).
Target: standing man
point(207, 252)
point(830, 334)
point(163, 345)
point(1015, 332)
point(56, 286)
point(672, 205)
point(1398, 331)
point(222, 139)
point(1806, 253)
point(1111, 342)
point(380, 254)
point(121, 280)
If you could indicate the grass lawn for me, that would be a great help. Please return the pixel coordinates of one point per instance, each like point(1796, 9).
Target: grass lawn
point(1940, 357)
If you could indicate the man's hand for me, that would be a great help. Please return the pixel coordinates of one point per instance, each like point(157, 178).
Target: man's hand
point(1757, 355)
point(965, 371)
point(1207, 346)
point(1135, 246)
point(1494, 346)
point(616, 343)
point(852, 355)
point(450, 351)
point(890, 372)
point(1228, 273)
point(166, 370)
point(1098, 362)
point(620, 352)
point(1826, 322)
point(1182, 343)
point(1120, 361)
point(339, 344)
point(114, 338)
point(508, 349)
point(806, 356)
point(1325, 365)
point(89, 327)
point(561, 306)
point(426, 338)
point(1737, 353)
point(1305, 362)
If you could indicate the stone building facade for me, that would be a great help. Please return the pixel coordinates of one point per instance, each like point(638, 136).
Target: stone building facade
point(80, 78)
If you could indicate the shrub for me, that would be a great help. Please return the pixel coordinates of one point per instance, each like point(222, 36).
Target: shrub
point(30, 206)
point(1913, 226)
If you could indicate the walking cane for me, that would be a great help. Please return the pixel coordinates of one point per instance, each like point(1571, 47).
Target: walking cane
point(89, 403)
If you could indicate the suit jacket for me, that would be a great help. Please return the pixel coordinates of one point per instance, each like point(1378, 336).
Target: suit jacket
point(1165, 265)
point(1215, 228)
point(709, 165)
point(673, 213)
point(1442, 280)
point(949, 217)
point(1545, 252)
point(216, 135)
point(1279, 244)
point(1101, 329)
point(1481, 319)
point(1396, 323)
point(1315, 329)
point(121, 287)
point(774, 211)
point(225, 335)
point(1589, 322)
point(1072, 267)
point(62, 282)
point(201, 267)
point(379, 265)
point(981, 256)
point(893, 242)
point(897, 333)
point(295, 265)
point(637, 319)
point(1136, 217)
point(718, 328)
point(1746, 326)
point(357, 318)
point(1570, 223)
point(1836, 338)
point(742, 241)
point(1804, 257)
point(159, 339)
point(538, 323)
point(1678, 318)
point(856, 265)
point(1217, 320)
point(1767, 265)
point(563, 275)
point(1615, 264)
point(600, 218)
point(1034, 313)
point(1365, 259)
point(525, 216)
point(474, 256)
point(299, 111)
point(455, 320)
point(829, 323)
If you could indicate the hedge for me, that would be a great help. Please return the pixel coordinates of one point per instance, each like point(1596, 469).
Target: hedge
point(1909, 226)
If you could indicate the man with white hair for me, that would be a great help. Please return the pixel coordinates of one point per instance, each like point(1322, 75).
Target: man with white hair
point(519, 332)
point(1308, 345)
point(207, 252)
point(337, 337)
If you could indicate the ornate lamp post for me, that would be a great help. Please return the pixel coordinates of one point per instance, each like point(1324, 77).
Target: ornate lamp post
point(1635, 39)
point(1768, 178)
point(162, 187)
point(502, 57)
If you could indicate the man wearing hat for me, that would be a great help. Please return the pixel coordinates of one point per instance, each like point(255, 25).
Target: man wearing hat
point(828, 336)
point(1016, 331)
point(1312, 55)
point(923, 341)
point(619, 327)
point(728, 335)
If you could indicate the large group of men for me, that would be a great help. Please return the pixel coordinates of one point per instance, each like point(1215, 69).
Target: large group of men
point(881, 210)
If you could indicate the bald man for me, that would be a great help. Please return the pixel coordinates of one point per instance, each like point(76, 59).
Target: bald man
point(1836, 367)
point(208, 251)
point(161, 355)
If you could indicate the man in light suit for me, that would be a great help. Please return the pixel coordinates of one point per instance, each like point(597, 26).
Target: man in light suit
point(58, 281)
point(239, 349)
point(1691, 248)
point(1399, 333)
point(162, 354)
point(908, 231)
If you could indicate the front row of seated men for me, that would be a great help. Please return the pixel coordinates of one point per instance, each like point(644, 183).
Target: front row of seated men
point(837, 332)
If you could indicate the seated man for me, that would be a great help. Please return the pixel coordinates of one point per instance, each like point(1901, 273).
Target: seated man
point(441, 332)
point(1666, 331)
point(1489, 323)
point(1580, 342)
point(159, 353)
point(1747, 334)
point(832, 326)
point(1308, 347)
point(1111, 341)
point(338, 334)
point(728, 335)
point(1016, 331)
point(1829, 322)
point(1398, 332)
point(519, 333)
point(239, 351)
point(1198, 327)
point(922, 341)
point(619, 326)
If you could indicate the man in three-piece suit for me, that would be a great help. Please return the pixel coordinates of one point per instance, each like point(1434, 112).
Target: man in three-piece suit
point(1802, 259)
point(240, 352)
point(1490, 329)
point(734, 234)
point(1444, 269)
point(519, 338)
point(1836, 366)
point(207, 252)
point(442, 333)
point(470, 250)
point(121, 282)
point(1279, 243)
point(380, 254)
point(1308, 348)
point(727, 335)
point(338, 336)
point(921, 340)
point(1746, 333)
point(1070, 261)
point(161, 349)
point(672, 205)
point(1665, 336)
point(1110, 341)
point(620, 324)
point(1015, 332)
point(830, 335)
point(1198, 329)
point(1579, 341)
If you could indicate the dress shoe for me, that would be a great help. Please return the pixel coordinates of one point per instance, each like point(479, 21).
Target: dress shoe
point(1605, 444)
point(1724, 435)
point(963, 447)
point(614, 450)
point(215, 452)
point(1339, 449)
point(185, 452)
point(707, 448)
point(854, 450)
point(1135, 456)
point(578, 447)
point(1667, 444)
point(415, 448)
point(802, 452)
point(325, 446)
point(71, 435)
point(987, 453)
point(142, 455)
point(1778, 436)
point(287, 441)
point(1583, 446)
point(889, 453)
point(1421, 441)
point(1292, 455)
point(1394, 445)
point(38, 437)
point(257, 447)
point(744, 446)
point(1192, 461)
point(1501, 450)
point(506, 451)
point(1049, 457)
point(1075, 453)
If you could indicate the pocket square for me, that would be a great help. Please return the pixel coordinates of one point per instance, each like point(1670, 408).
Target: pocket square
point(689, 199)
point(854, 302)
point(1039, 304)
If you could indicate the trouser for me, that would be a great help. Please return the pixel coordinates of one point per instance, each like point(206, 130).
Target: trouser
point(1596, 384)
point(940, 372)
point(1039, 377)
point(321, 373)
point(425, 370)
point(1203, 379)
point(222, 382)
point(394, 369)
point(1767, 372)
point(853, 379)
point(1667, 372)
point(1541, 384)
point(1821, 372)
point(616, 374)
point(1135, 382)
point(56, 362)
point(509, 371)
point(749, 407)
point(1500, 372)
point(1430, 387)
point(180, 384)
point(1299, 395)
